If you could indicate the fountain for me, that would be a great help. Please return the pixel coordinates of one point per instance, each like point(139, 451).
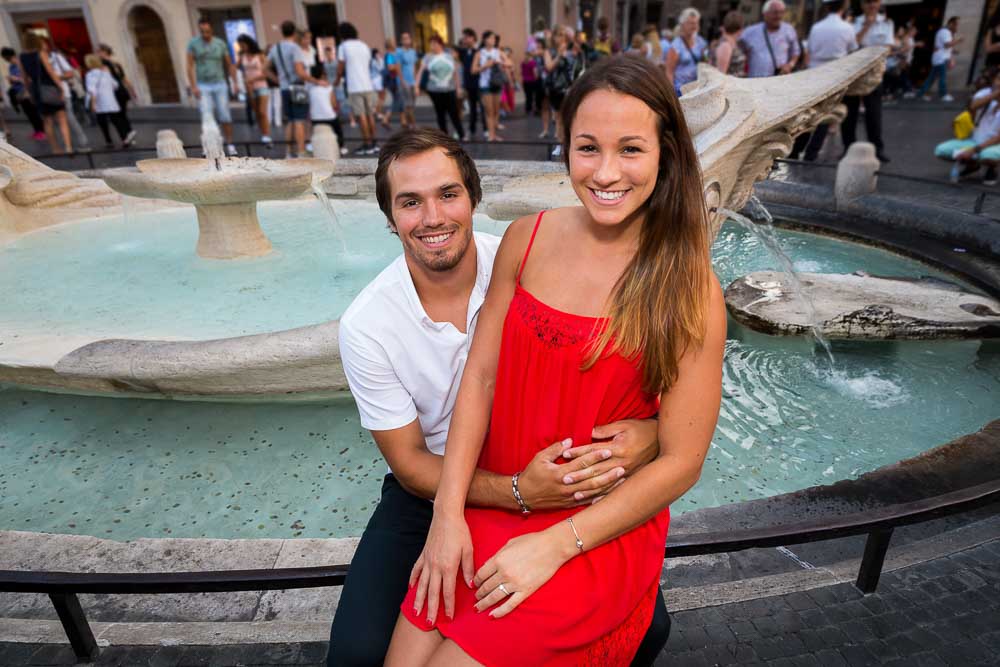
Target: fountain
point(253, 434)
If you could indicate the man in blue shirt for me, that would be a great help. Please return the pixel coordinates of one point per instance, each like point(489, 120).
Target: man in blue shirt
point(407, 58)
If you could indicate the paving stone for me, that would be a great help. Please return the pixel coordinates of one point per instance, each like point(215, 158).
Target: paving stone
point(744, 630)
point(928, 659)
point(807, 660)
point(53, 654)
point(719, 634)
point(768, 648)
point(858, 656)
point(831, 658)
point(165, 656)
point(799, 601)
point(882, 650)
point(788, 621)
point(813, 618)
point(792, 646)
point(742, 653)
point(767, 626)
point(969, 578)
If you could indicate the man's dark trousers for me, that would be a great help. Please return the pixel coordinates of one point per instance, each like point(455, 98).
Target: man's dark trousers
point(873, 119)
point(379, 575)
point(472, 95)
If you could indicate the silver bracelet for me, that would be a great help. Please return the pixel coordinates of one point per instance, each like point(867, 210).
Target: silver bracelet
point(517, 494)
point(579, 542)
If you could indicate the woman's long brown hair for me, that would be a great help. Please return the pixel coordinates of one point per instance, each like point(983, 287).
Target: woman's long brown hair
point(657, 309)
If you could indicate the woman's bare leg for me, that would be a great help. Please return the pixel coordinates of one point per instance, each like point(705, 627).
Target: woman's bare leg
point(64, 130)
point(411, 646)
point(262, 120)
point(51, 134)
point(450, 654)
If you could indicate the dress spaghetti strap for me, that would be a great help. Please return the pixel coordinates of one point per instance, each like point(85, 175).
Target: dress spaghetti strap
point(527, 250)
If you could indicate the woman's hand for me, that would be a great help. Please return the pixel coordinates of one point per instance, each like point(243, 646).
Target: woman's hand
point(522, 566)
point(448, 546)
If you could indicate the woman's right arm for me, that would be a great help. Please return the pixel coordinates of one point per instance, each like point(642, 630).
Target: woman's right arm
point(723, 54)
point(671, 64)
point(476, 66)
point(449, 545)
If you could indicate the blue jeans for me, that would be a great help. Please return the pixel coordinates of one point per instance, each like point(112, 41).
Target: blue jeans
point(217, 95)
point(939, 72)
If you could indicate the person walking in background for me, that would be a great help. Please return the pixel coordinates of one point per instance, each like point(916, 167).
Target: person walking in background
point(331, 66)
point(654, 51)
point(728, 55)
point(772, 45)
point(377, 71)
point(604, 42)
point(289, 62)
point(253, 62)
point(212, 76)
point(509, 86)
point(41, 82)
point(488, 65)
point(103, 102)
point(20, 100)
point(829, 39)
point(67, 80)
point(305, 41)
point(391, 82)
point(563, 68)
point(944, 42)
point(125, 92)
point(531, 80)
point(323, 106)
point(407, 58)
point(871, 29)
point(355, 57)
point(686, 51)
point(470, 81)
point(442, 78)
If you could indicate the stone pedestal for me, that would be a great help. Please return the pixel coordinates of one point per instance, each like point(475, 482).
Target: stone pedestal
point(168, 145)
point(857, 173)
point(230, 231)
point(324, 143)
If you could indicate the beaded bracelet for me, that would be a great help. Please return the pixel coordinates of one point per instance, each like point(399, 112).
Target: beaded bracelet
point(517, 494)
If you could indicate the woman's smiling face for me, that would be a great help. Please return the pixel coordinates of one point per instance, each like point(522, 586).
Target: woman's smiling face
point(614, 155)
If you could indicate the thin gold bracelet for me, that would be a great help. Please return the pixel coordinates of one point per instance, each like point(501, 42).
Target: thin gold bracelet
point(579, 542)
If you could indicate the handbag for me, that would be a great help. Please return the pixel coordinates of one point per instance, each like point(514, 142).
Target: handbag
point(963, 125)
point(498, 78)
point(297, 92)
point(50, 95)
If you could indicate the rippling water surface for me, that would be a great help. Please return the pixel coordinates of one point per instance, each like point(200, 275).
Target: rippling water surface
point(131, 468)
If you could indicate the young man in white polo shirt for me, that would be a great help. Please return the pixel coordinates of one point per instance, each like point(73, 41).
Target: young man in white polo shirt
point(403, 343)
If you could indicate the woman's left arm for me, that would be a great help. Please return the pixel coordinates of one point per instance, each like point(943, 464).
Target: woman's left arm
point(687, 419)
point(47, 64)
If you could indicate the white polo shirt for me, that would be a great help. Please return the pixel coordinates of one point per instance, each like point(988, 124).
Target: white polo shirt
point(882, 32)
point(400, 364)
point(829, 39)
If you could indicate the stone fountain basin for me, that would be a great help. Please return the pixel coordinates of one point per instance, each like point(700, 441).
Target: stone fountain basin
point(238, 181)
point(861, 306)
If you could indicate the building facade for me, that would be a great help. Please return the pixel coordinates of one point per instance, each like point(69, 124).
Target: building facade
point(149, 37)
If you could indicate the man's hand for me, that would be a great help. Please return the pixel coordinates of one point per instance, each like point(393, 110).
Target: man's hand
point(196, 92)
point(632, 442)
point(543, 483)
point(786, 68)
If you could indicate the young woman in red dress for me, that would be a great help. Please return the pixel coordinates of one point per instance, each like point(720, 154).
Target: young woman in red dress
point(595, 313)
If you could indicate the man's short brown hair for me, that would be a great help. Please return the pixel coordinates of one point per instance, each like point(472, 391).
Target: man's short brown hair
point(407, 143)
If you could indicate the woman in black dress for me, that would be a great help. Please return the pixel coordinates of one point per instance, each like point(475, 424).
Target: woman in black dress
point(48, 96)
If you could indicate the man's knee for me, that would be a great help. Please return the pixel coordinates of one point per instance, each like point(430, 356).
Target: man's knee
point(349, 648)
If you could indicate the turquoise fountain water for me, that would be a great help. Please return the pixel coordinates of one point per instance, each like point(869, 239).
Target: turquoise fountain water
point(128, 468)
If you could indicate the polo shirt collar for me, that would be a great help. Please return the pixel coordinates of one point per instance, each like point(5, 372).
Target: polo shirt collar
point(476, 298)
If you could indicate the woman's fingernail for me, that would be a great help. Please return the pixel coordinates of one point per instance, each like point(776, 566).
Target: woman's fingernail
point(568, 479)
point(621, 472)
point(606, 454)
point(578, 495)
point(568, 441)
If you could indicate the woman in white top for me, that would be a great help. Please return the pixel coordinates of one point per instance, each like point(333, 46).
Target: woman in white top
point(442, 84)
point(489, 63)
point(101, 87)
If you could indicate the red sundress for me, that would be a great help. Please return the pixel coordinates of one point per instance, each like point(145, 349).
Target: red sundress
point(597, 607)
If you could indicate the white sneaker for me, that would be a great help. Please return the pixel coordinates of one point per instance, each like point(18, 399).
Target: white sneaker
point(343, 150)
point(309, 147)
point(557, 151)
point(909, 95)
point(129, 138)
point(265, 139)
point(231, 150)
point(947, 98)
point(486, 134)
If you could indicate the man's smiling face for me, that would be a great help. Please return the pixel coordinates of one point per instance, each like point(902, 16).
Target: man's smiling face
point(431, 209)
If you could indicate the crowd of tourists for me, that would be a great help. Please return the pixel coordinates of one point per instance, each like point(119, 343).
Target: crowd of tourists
point(59, 94)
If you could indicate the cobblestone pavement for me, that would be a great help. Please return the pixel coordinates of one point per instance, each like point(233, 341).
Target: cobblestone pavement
point(941, 612)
